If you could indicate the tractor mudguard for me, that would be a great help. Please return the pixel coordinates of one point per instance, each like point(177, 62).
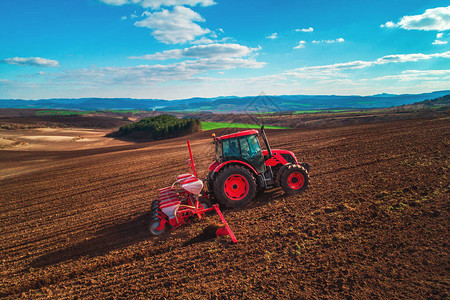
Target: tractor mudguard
point(236, 162)
point(281, 170)
point(305, 165)
point(213, 166)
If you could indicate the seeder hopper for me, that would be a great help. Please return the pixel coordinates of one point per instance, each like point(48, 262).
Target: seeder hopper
point(183, 201)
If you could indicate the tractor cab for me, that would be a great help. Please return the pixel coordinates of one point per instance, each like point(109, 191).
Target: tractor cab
point(242, 146)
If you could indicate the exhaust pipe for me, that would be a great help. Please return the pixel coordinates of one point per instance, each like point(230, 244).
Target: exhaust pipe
point(263, 134)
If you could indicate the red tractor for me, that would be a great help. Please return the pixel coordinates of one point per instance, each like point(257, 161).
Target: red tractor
point(241, 169)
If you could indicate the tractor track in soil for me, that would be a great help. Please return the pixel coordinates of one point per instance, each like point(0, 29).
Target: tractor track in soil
point(373, 224)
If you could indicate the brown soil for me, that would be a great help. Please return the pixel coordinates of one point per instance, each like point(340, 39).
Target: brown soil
point(373, 224)
point(26, 119)
point(328, 120)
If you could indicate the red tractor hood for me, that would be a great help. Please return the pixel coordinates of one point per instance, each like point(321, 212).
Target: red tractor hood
point(278, 157)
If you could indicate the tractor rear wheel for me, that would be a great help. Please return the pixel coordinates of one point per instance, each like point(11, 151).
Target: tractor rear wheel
point(210, 185)
point(234, 187)
point(294, 179)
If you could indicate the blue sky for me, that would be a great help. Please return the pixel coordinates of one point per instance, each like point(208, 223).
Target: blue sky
point(174, 49)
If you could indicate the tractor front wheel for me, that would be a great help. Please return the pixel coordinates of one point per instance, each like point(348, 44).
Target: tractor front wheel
point(294, 179)
point(234, 187)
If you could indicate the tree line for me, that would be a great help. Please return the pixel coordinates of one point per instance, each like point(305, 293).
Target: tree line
point(160, 127)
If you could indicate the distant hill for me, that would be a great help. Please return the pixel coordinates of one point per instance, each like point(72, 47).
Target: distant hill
point(429, 103)
point(86, 103)
point(228, 104)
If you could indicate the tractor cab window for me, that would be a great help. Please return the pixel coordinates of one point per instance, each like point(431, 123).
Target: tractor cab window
point(246, 148)
point(251, 151)
point(231, 148)
point(218, 151)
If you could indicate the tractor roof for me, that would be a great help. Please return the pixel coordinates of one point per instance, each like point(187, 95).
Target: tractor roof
point(238, 134)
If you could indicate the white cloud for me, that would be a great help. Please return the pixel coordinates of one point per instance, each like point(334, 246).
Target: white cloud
point(173, 27)
point(396, 58)
point(300, 45)
point(201, 51)
point(203, 41)
point(212, 39)
point(335, 70)
point(338, 40)
point(116, 2)
point(148, 74)
point(191, 71)
point(168, 54)
point(439, 42)
point(156, 4)
point(410, 57)
point(310, 29)
point(432, 19)
point(411, 75)
point(389, 24)
point(272, 36)
point(224, 64)
point(338, 78)
point(31, 61)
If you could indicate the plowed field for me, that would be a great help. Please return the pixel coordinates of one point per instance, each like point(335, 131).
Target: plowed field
point(373, 224)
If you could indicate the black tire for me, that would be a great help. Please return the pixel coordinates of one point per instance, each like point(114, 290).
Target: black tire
point(234, 186)
point(155, 204)
point(154, 224)
point(260, 192)
point(294, 179)
point(210, 184)
point(206, 203)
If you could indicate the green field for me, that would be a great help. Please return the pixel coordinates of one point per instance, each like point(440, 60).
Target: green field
point(319, 111)
point(217, 125)
point(122, 111)
point(307, 111)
